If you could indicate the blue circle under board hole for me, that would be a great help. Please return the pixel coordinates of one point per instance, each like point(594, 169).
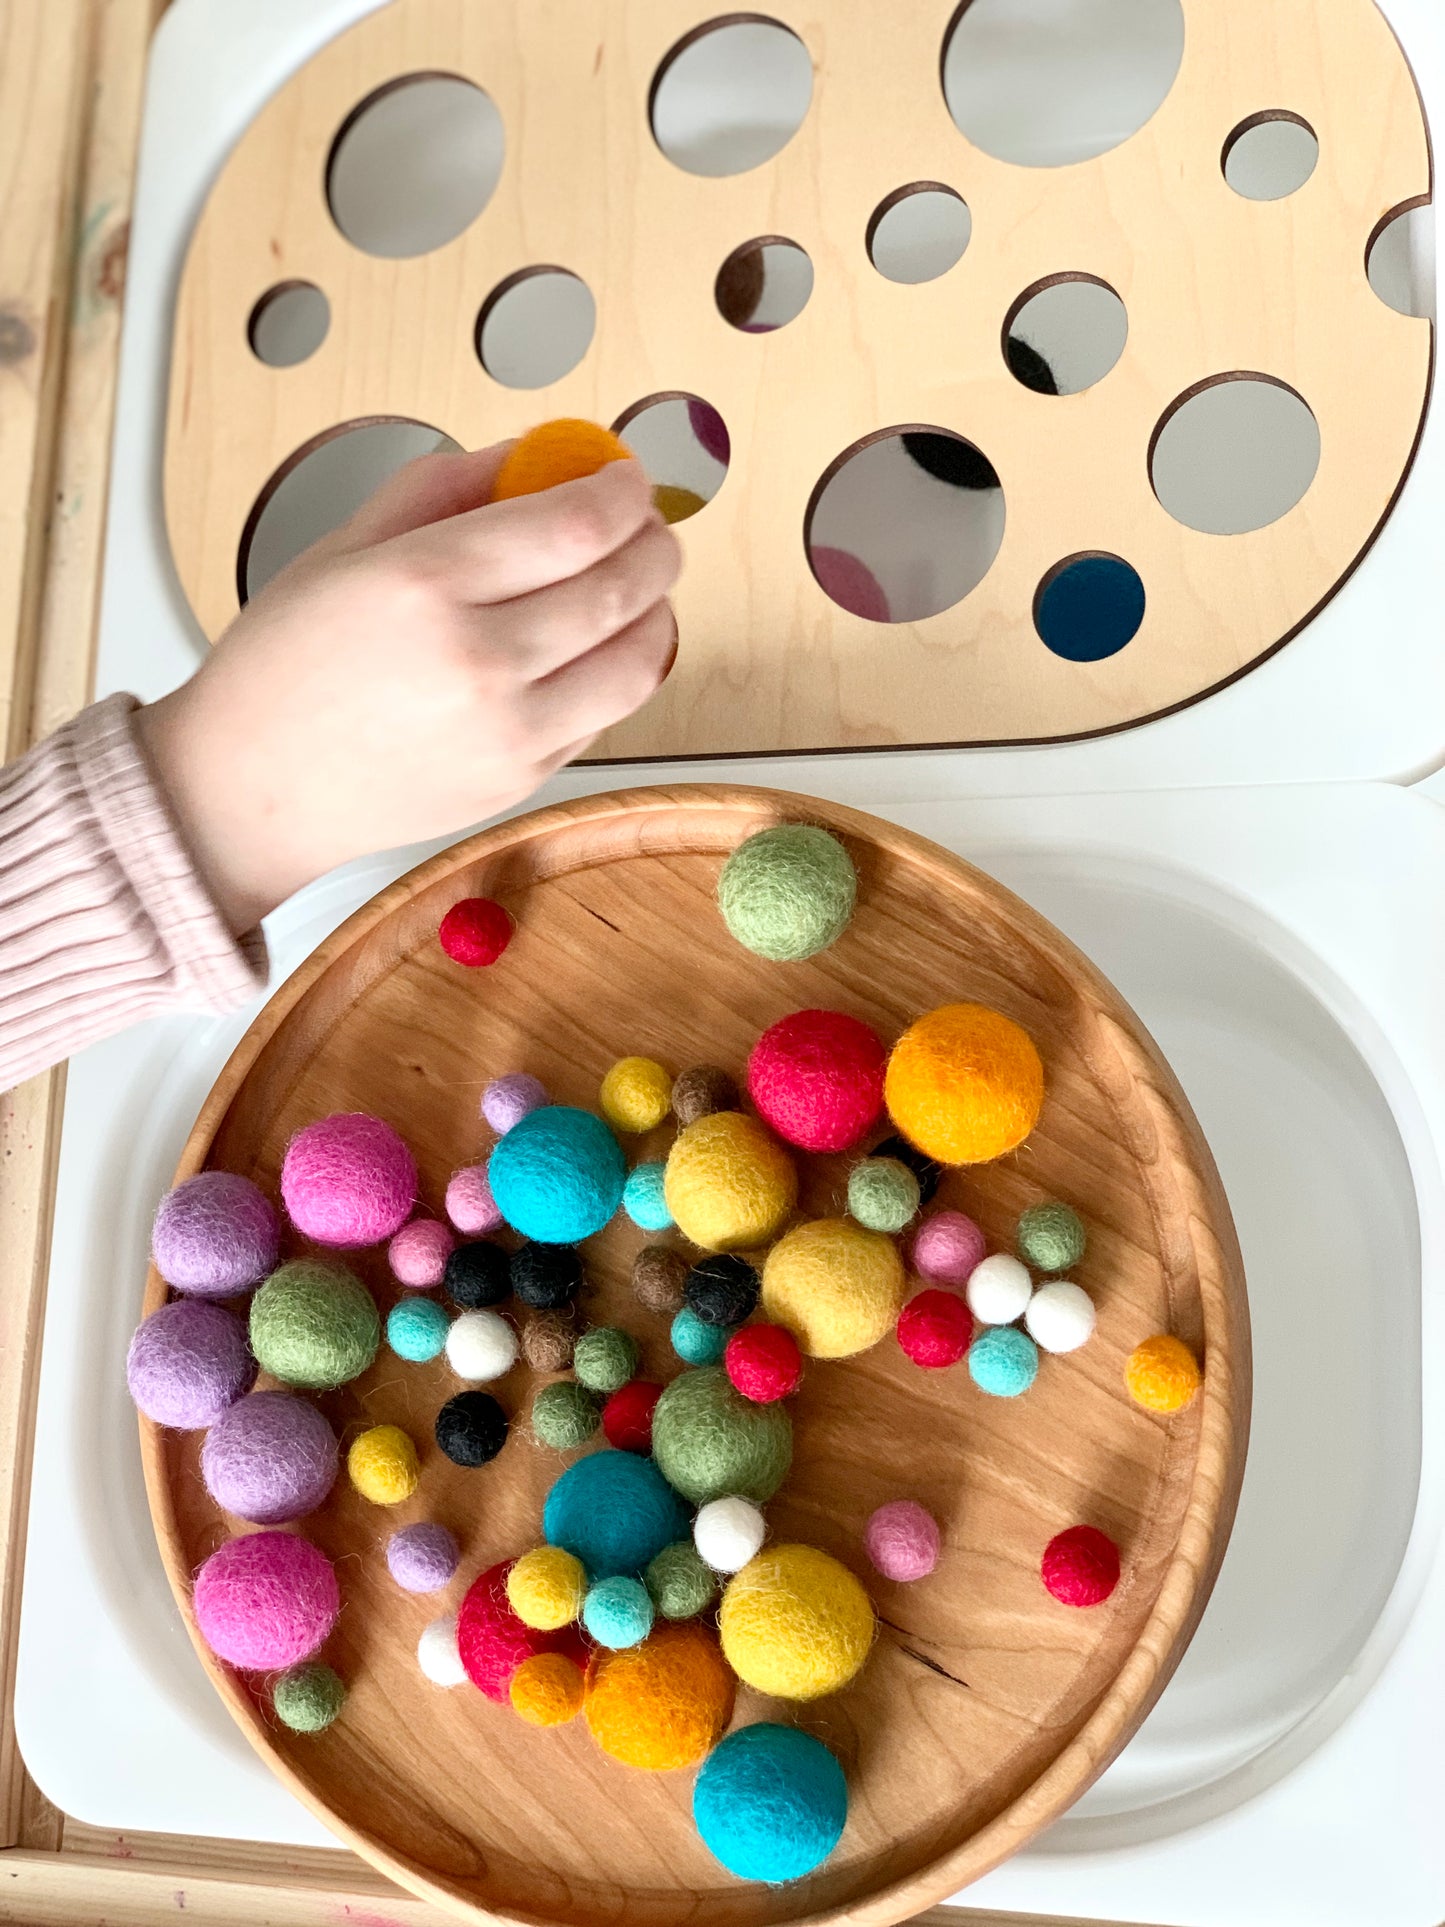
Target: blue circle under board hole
point(1087, 609)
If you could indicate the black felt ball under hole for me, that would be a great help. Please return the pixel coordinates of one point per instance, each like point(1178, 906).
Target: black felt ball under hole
point(722, 1290)
point(471, 1428)
point(546, 1277)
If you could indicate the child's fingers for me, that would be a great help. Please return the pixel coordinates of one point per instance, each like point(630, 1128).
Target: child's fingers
point(542, 631)
point(594, 691)
point(427, 490)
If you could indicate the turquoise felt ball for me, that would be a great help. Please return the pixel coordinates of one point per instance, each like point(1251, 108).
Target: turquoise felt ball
point(557, 1176)
point(697, 1343)
point(416, 1329)
point(642, 1198)
point(770, 1802)
point(617, 1612)
point(615, 1512)
point(1003, 1360)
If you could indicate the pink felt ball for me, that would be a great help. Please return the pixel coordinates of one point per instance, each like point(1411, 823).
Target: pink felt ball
point(215, 1234)
point(418, 1254)
point(946, 1247)
point(901, 1539)
point(850, 583)
point(817, 1078)
point(475, 932)
point(348, 1180)
point(266, 1601)
point(935, 1329)
point(1080, 1566)
point(507, 1100)
point(470, 1204)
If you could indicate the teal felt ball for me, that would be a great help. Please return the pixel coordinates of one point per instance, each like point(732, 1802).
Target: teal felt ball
point(618, 1612)
point(416, 1329)
point(642, 1198)
point(697, 1343)
point(557, 1176)
point(615, 1512)
point(770, 1802)
point(788, 892)
point(1003, 1361)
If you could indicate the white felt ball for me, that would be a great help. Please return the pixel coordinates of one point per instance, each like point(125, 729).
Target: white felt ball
point(727, 1533)
point(1060, 1316)
point(481, 1345)
point(437, 1654)
point(999, 1289)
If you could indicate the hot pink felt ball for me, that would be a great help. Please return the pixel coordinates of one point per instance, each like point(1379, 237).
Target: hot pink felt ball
point(901, 1539)
point(470, 1204)
point(418, 1254)
point(266, 1601)
point(817, 1078)
point(348, 1180)
point(946, 1247)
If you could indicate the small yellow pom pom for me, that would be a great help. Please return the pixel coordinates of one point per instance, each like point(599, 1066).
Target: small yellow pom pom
point(636, 1095)
point(837, 1287)
point(965, 1084)
point(676, 504)
point(547, 1690)
point(382, 1465)
point(546, 1588)
point(663, 1704)
point(1162, 1374)
point(795, 1623)
point(556, 452)
point(729, 1185)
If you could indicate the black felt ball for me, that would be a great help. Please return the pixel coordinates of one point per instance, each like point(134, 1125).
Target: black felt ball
point(721, 1289)
point(478, 1274)
point(546, 1277)
point(471, 1428)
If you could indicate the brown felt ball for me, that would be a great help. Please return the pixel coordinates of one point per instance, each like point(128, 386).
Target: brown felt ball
point(658, 1278)
point(701, 1091)
point(548, 1340)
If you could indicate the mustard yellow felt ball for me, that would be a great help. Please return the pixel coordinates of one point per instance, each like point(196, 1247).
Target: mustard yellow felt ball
point(965, 1084)
point(795, 1623)
point(546, 1587)
point(729, 1184)
point(836, 1287)
point(382, 1465)
point(547, 1689)
point(636, 1095)
point(1162, 1374)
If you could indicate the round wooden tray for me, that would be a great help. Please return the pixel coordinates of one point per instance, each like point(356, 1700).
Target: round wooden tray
point(986, 1708)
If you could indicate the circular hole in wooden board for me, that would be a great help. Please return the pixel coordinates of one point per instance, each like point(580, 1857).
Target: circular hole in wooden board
point(1400, 260)
point(288, 324)
point(763, 285)
point(919, 233)
point(1075, 324)
point(730, 95)
point(683, 444)
point(981, 1691)
point(536, 327)
point(1270, 156)
point(1235, 454)
point(414, 164)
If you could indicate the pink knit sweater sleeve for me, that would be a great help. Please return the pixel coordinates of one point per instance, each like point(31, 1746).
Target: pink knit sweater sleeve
point(103, 918)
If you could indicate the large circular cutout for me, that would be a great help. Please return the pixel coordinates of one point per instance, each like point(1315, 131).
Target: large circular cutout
point(414, 165)
point(1235, 454)
point(731, 95)
point(536, 327)
point(1270, 156)
point(288, 324)
point(919, 232)
point(1074, 324)
point(683, 444)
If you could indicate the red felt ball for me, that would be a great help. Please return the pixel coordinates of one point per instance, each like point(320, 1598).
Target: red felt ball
point(1081, 1566)
point(935, 1328)
point(627, 1416)
point(475, 931)
point(817, 1078)
point(763, 1362)
point(492, 1641)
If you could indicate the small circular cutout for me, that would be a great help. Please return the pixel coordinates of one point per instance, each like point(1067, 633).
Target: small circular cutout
point(1074, 325)
point(919, 233)
point(763, 285)
point(1235, 454)
point(1270, 156)
point(731, 95)
point(414, 165)
point(1089, 607)
point(288, 324)
point(1400, 260)
point(536, 327)
point(683, 444)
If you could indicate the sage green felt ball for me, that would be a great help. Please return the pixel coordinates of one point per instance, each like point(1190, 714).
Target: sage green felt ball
point(681, 1581)
point(787, 893)
point(314, 1325)
point(709, 1442)
point(308, 1698)
point(565, 1415)
point(1051, 1237)
point(604, 1359)
point(883, 1194)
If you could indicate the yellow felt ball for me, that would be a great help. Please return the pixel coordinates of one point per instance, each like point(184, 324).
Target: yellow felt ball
point(636, 1095)
point(676, 504)
point(663, 1704)
point(729, 1185)
point(546, 1588)
point(795, 1623)
point(382, 1465)
point(1162, 1374)
point(965, 1084)
point(555, 452)
point(547, 1689)
point(837, 1287)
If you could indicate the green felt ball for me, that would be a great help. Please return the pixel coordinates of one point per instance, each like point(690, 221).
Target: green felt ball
point(605, 1358)
point(565, 1415)
point(788, 893)
point(308, 1698)
point(710, 1442)
point(1051, 1237)
point(882, 1194)
point(681, 1581)
point(314, 1325)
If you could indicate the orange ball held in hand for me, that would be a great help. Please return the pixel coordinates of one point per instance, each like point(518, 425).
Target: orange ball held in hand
point(556, 452)
point(965, 1084)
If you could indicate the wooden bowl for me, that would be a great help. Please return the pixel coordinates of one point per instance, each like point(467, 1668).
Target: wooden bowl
point(986, 1707)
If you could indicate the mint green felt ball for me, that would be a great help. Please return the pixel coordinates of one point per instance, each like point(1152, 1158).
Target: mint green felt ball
point(681, 1581)
point(1051, 1237)
point(710, 1442)
point(309, 1697)
point(787, 893)
point(883, 1194)
point(314, 1325)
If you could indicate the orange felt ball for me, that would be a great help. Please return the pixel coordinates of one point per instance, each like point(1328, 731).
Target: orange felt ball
point(547, 1689)
point(1162, 1374)
point(555, 452)
point(965, 1084)
point(663, 1704)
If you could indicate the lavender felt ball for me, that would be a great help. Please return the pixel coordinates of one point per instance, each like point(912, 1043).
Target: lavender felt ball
point(507, 1100)
point(271, 1458)
point(423, 1557)
point(187, 1363)
point(215, 1235)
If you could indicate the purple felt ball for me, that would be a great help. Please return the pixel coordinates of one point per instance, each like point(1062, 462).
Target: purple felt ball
point(422, 1558)
point(507, 1100)
point(215, 1235)
point(187, 1363)
point(271, 1458)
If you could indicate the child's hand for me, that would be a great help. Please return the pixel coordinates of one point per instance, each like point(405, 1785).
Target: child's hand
point(427, 665)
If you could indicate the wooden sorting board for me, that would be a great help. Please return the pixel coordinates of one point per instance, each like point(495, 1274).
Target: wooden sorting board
point(986, 1707)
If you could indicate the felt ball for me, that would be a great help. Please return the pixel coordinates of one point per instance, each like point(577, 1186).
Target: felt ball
point(493, 1642)
point(661, 1705)
point(437, 1654)
point(728, 1532)
point(710, 429)
point(478, 1275)
point(271, 1458)
point(469, 1201)
point(416, 1329)
point(266, 1601)
point(546, 1277)
point(309, 1697)
point(554, 452)
point(547, 1689)
point(617, 1612)
point(709, 1441)
point(836, 1287)
point(770, 1803)
point(1060, 1316)
point(817, 1078)
point(546, 1587)
point(614, 1512)
point(697, 1343)
point(763, 1362)
point(418, 1254)
point(481, 1346)
point(730, 1185)
point(935, 1329)
point(507, 1100)
point(788, 892)
point(565, 1415)
point(644, 1197)
point(681, 1581)
point(676, 504)
point(658, 1275)
point(902, 1540)
point(947, 1247)
point(548, 1340)
point(1080, 1566)
point(928, 1171)
point(636, 1095)
point(965, 1084)
point(722, 1289)
point(999, 1289)
point(215, 1234)
point(423, 1557)
point(1051, 1237)
point(348, 1180)
point(1003, 1361)
point(314, 1325)
point(1162, 1374)
point(795, 1623)
point(627, 1416)
point(604, 1358)
point(475, 932)
point(883, 1194)
point(557, 1176)
point(382, 1465)
point(849, 582)
point(471, 1429)
point(701, 1090)
point(187, 1362)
